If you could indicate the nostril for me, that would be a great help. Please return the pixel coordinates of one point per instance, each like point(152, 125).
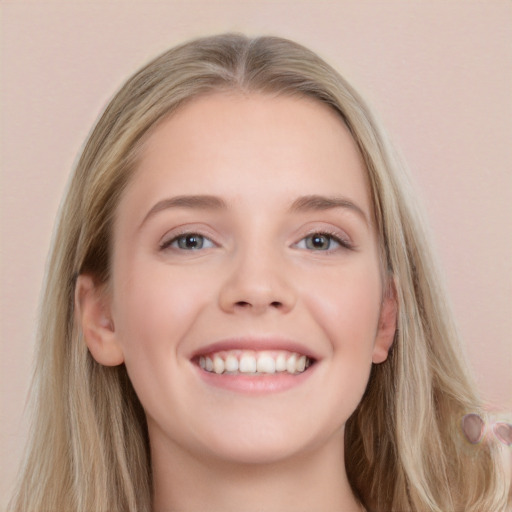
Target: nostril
point(244, 304)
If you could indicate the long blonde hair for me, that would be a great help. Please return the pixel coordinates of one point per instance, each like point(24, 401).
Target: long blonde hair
point(89, 447)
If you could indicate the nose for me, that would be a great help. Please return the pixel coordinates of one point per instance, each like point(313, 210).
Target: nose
point(257, 282)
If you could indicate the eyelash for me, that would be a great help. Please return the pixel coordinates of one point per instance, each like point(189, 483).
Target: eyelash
point(168, 243)
point(331, 237)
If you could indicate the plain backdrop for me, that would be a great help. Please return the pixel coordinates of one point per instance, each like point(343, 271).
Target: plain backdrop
point(437, 72)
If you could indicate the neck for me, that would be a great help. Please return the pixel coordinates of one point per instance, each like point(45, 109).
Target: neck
point(310, 481)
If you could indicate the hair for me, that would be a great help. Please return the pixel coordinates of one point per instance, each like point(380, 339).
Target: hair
point(404, 450)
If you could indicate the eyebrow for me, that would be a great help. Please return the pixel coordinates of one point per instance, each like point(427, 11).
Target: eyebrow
point(319, 203)
point(300, 205)
point(201, 202)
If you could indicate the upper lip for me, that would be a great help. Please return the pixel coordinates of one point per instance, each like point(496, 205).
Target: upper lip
point(256, 343)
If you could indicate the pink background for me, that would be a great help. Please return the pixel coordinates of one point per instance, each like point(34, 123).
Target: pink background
point(438, 73)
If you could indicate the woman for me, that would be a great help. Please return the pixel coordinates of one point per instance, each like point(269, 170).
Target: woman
point(242, 312)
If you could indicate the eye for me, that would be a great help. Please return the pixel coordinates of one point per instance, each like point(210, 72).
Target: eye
point(322, 242)
point(188, 242)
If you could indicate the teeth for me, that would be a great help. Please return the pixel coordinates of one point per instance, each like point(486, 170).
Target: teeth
point(266, 364)
point(248, 362)
point(218, 364)
point(291, 364)
point(280, 363)
point(231, 363)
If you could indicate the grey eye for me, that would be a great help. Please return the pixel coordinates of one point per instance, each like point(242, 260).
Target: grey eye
point(189, 242)
point(319, 242)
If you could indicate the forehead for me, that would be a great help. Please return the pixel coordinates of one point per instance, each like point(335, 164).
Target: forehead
point(226, 143)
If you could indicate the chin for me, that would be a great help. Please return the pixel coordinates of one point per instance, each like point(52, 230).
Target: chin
point(242, 452)
point(264, 442)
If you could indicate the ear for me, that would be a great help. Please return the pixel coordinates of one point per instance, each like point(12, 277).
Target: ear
point(92, 313)
point(387, 324)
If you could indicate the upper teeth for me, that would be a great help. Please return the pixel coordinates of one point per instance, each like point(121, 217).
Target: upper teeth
point(250, 362)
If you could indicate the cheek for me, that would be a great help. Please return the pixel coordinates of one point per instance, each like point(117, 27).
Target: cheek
point(347, 307)
point(155, 307)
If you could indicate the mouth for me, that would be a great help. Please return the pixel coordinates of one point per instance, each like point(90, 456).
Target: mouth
point(254, 363)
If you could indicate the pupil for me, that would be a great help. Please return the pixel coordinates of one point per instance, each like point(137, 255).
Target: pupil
point(191, 242)
point(320, 242)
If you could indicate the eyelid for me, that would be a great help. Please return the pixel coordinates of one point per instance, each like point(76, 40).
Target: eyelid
point(207, 243)
point(174, 234)
point(337, 235)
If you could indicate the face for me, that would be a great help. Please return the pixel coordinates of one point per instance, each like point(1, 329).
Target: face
point(246, 297)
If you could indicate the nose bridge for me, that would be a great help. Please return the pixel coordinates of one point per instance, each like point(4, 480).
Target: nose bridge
point(257, 280)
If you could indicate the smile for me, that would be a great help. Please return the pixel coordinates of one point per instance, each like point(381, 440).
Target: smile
point(254, 363)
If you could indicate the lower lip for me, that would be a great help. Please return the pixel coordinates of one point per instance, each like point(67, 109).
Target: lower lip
point(255, 384)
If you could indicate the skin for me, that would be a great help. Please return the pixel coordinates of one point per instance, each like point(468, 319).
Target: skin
point(256, 277)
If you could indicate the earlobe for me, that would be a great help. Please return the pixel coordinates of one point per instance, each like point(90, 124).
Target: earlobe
point(387, 325)
point(92, 314)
